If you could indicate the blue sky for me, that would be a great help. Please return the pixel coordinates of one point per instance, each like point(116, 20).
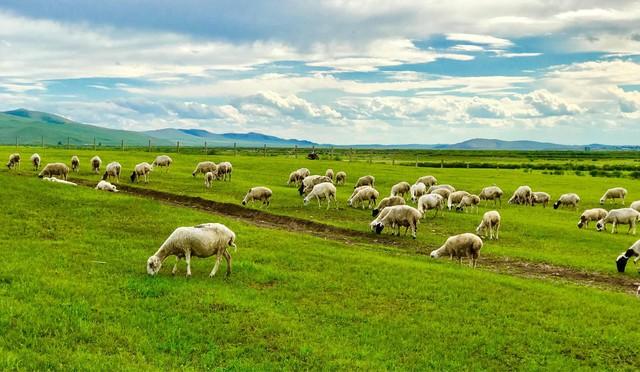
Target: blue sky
point(336, 71)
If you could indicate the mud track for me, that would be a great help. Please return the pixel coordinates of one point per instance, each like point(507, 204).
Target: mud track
point(498, 264)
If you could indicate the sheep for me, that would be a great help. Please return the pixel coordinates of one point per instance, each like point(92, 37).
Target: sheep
point(567, 200)
point(368, 194)
point(106, 186)
point(490, 222)
point(455, 198)
point(387, 202)
point(430, 201)
point(75, 164)
point(208, 179)
point(438, 187)
point(223, 171)
point(297, 176)
point(613, 194)
point(427, 180)
point(307, 184)
point(621, 261)
point(198, 241)
point(204, 167)
point(329, 173)
point(400, 189)
point(540, 197)
point(468, 201)
point(112, 171)
point(142, 169)
point(341, 178)
point(458, 246)
point(622, 216)
point(55, 180)
point(595, 214)
point(14, 159)
point(324, 190)
point(96, 162)
point(444, 192)
point(492, 193)
point(35, 161)
point(162, 161)
point(365, 181)
point(259, 193)
point(54, 169)
point(417, 190)
point(635, 205)
point(522, 195)
point(397, 216)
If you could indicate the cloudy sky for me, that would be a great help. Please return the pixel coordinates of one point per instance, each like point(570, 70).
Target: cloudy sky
point(332, 71)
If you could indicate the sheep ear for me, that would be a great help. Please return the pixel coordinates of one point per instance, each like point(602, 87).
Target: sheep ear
point(630, 253)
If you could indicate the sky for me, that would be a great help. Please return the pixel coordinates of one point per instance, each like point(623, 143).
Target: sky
point(332, 71)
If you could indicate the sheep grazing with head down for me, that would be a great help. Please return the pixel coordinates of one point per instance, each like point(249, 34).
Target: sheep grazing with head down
point(96, 162)
point(365, 194)
point(324, 190)
point(223, 171)
point(397, 216)
point(259, 193)
point(492, 193)
point(417, 190)
point(427, 180)
point(307, 184)
point(635, 205)
point(622, 216)
point(55, 169)
point(329, 173)
point(613, 194)
point(595, 214)
point(106, 186)
point(438, 187)
point(202, 241)
point(387, 202)
point(341, 178)
point(75, 164)
point(430, 201)
point(112, 171)
point(365, 181)
point(458, 246)
point(14, 161)
point(35, 161)
point(455, 198)
point(208, 179)
point(490, 222)
point(468, 201)
point(567, 200)
point(400, 189)
point(444, 192)
point(296, 177)
point(204, 167)
point(141, 170)
point(540, 197)
point(162, 161)
point(633, 251)
point(522, 195)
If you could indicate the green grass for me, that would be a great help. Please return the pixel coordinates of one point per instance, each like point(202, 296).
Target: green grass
point(74, 294)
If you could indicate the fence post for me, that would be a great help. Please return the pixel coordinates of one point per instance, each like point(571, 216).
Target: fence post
point(295, 151)
point(370, 156)
point(331, 154)
point(42, 140)
point(441, 163)
point(393, 158)
point(264, 150)
point(122, 144)
point(205, 148)
point(16, 141)
point(235, 151)
point(67, 143)
point(350, 154)
point(94, 144)
point(149, 149)
point(177, 146)
point(416, 161)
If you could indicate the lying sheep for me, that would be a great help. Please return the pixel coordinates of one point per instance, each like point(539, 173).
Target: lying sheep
point(309, 182)
point(430, 201)
point(438, 187)
point(458, 246)
point(324, 190)
point(365, 181)
point(106, 186)
point(204, 167)
point(635, 205)
point(162, 161)
point(387, 202)
point(540, 197)
point(142, 169)
point(223, 171)
point(329, 173)
point(112, 171)
point(259, 193)
point(522, 195)
point(567, 200)
point(444, 192)
point(613, 194)
point(468, 201)
point(490, 222)
point(621, 261)
point(492, 193)
point(622, 216)
point(366, 194)
point(341, 178)
point(199, 241)
point(55, 180)
point(595, 214)
point(35, 161)
point(208, 179)
point(96, 162)
point(55, 169)
point(455, 198)
point(427, 180)
point(75, 164)
point(417, 190)
point(400, 189)
point(397, 216)
point(14, 160)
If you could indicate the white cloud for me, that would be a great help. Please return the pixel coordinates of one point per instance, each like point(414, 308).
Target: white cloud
point(291, 105)
point(492, 41)
point(548, 104)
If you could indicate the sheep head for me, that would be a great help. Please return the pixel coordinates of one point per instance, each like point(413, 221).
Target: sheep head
point(600, 225)
point(153, 265)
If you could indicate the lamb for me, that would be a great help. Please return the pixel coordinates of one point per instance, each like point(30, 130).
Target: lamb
point(198, 241)
point(106, 186)
point(491, 222)
point(430, 201)
point(96, 162)
point(35, 161)
point(53, 179)
point(365, 181)
point(417, 190)
point(522, 195)
point(112, 171)
point(142, 169)
point(613, 194)
point(55, 169)
point(622, 216)
point(307, 184)
point(259, 193)
point(621, 261)
point(438, 187)
point(341, 178)
point(387, 202)
point(567, 200)
point(540, 197)
point(329, 173)
point(324, 190)
point(208, 179)
point(223, 171)
point(458, 246)
point(368, 194)
point(427, 180)
point(162, 161)
point(75, 164)
point(444, 192)
point(400, 189)
point(635, 205)
point(492, 193)
point(398, 216)
point(455, 198)
point(297, 176)
point(468, 201)
point(14, 160)
point(595, 214)
point(204, 167)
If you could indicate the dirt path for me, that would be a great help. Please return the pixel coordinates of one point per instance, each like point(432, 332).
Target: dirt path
point(499, 264)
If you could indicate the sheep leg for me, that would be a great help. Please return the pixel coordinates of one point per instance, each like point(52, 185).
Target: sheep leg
point(215, 267)
point(187, 258)
point(175, 267)
point(318, 199)
point(613, 228)
point(497, 230)
point(227, 257)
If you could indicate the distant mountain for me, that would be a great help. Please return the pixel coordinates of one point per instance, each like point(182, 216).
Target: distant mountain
point(197, 137)
point(495, 144)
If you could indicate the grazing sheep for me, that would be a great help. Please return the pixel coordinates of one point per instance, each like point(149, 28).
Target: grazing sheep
point(427, 180)
point(400, 189)
point(444, 192)
point(635, 205)
point(96, 162)
point(458, 246)
point(492, 193)
point(106, 186)
point(417, 190)
point(55, 169)
point(112, 171)
point(397, 216)
point(567, 200)
point(162, 161)
point(55, 180)
point(208, 179)
point(297, 176)
point(329, 173)
point(622, 216)
point(430, 201)
point(455, 198)
point(259, 193)
point(14, 160)
point(490, 222)
point(204, 167)
point(307, 184)
point(387, 202)
point(223, 171)
point(75, 164)
point(341, 178)
point(142, 169)
point(540, 197)
point(595, 214)
point(613, 194)
point(324, 190)
point(621, 261)
point(35, 161)
point(438, 187)
point(198, 241)
point(522, 195)
point(468, 201)
point(366, 194)
point(365, 181)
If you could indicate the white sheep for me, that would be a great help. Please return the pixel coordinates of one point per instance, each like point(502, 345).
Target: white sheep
point(400, 189)
point(613, 194)
point(142, 169)
point(106, 186)
point(341, 178)
point(622, 216)
point(365, 181)
point(35, 161)
point(595, 214)
point(112, 170)
point(471, 201)
point(492, 193)
point(522, 195)
point(75, 163)
point(208, 179)
point(259, 193)
point(55, 180)
point(329, 173)
point(397, 216)
point(54, 169)
point(96, 162)
point(14, 160)
point(204, 167)
point(366, 194)
point(455, 198)
point(438, 187)
point(633, 251)
point(540, 197)
point(444, 192)
point(458, 246)
point(567, 200)
point(202, 241)
point(635, 205)
point(417, 190)
point(490, 222)
point(324, 190)
point(307, 184)
point(427, 180)
point(430, 201)
point(297, 176)
point(387, 202)
point(223, 171)
point(162, 161)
